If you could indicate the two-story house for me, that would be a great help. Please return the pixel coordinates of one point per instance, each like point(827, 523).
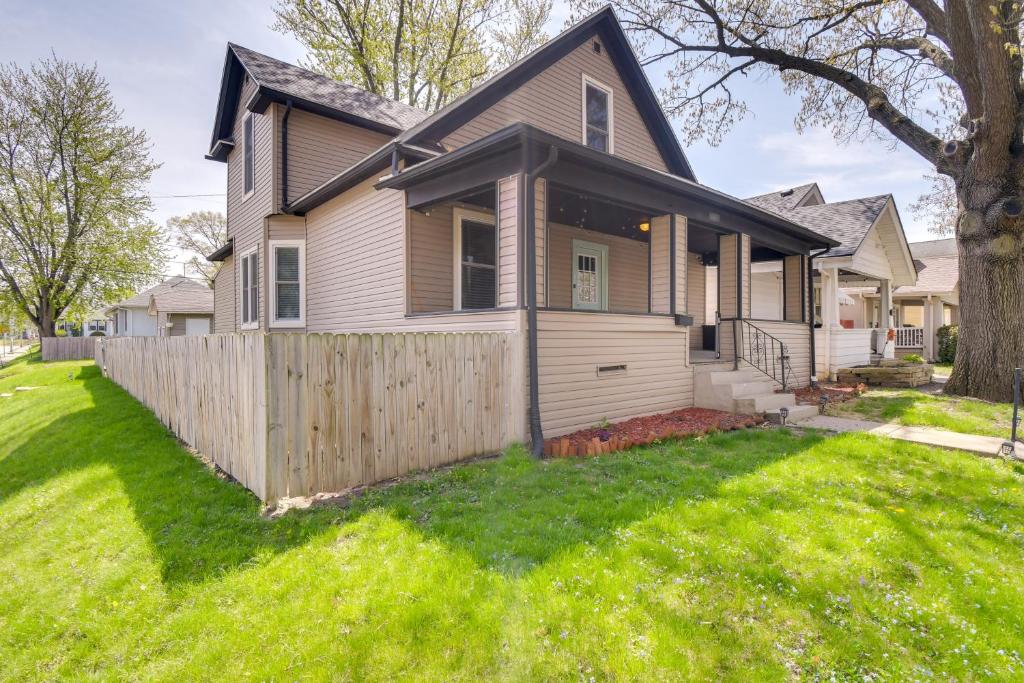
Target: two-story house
point(554, 200)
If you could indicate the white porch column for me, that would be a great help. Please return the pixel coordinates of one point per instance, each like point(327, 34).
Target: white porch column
point(829, 314)
point(887, 349)
point(929, 328)
point(931, 339)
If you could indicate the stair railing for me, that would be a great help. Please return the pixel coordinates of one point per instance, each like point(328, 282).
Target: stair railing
point(762, 351)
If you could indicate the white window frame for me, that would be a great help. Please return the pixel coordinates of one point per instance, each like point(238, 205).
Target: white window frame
point(272, 247)
point(594, 83)
point(458, 215)
point(253, 324)
point(250, 164)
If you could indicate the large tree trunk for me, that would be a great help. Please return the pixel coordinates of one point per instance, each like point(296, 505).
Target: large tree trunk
point(46, 322)
point(991, 337)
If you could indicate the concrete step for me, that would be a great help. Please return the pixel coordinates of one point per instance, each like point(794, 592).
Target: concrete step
point(722, 377)
point(795, 413)
point(751, 389)
point(764, 402)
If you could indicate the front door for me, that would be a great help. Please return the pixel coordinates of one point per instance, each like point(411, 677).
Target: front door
point(589, 276)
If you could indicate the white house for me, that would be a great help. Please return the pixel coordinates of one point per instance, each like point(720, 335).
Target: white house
point(176, 307)
point(873, 256)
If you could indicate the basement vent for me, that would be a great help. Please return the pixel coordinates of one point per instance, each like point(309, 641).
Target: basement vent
point(597, 47)
point(603, 370)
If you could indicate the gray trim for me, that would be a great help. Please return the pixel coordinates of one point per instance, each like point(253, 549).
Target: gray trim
point(223, 252)
point(556, 309)
point(469, 311)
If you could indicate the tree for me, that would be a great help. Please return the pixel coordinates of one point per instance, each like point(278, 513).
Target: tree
point(938, 206)
point(941, 77)
point(73, 206)
point(202, 233)
point(421, 52)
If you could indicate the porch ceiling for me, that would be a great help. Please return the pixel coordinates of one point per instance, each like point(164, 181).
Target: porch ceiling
point(596, 173)
point(582, 211)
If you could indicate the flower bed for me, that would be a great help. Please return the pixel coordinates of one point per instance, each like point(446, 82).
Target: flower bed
point(644, 430)
point(837, 393)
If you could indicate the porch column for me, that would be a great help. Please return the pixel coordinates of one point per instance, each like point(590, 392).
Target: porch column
point(929, 328)
point(661, 266)
point(932, 337)
point(794, 272)
point(888, 350)
point(734, 276)
point(829, 316)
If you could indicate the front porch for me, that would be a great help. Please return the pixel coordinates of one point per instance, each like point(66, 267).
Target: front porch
point(609, 269)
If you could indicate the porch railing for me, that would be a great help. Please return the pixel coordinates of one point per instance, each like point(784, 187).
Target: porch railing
point(909, 338)
point(762, 351)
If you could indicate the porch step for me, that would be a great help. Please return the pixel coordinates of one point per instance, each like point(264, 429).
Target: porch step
point(763, 403)
point(795, 413)
point(752, 389)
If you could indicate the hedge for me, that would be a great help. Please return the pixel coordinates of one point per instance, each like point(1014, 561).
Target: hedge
point(947, 342)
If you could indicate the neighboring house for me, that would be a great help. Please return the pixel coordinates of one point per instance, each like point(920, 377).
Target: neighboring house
point(177, 306)
point(553, 200)
point(872, 256)
point(920, 309)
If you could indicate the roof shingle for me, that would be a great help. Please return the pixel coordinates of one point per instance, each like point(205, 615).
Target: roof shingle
point(935, 275)
point(313, 87)
point(174, 295)
point(846, 222)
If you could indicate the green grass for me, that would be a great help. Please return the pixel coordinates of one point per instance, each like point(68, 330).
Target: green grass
point(913, 407)
point(758, 555)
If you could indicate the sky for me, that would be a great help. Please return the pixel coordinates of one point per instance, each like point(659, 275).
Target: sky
point(163, 61)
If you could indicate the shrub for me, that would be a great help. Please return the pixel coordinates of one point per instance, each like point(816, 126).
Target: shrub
point(913, 358)
point(947, 342)
point(61, 333)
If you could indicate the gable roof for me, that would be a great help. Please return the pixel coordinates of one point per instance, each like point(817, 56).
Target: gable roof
point(173, 295)
point(945, 247)
point(603, 23)
point(278, 81)
point(784, 200)
point(935, 275)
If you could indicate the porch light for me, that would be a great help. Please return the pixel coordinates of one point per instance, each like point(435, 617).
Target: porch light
point(645, 226)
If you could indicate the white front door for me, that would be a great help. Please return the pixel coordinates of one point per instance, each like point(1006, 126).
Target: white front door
point(589, 276)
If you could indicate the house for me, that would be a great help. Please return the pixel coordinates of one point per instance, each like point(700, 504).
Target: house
point(177, 306)
point(553, 201)
point(872, 257)
point(920, 309)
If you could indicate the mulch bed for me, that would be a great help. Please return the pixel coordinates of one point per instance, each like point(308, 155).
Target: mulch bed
point(640, 431)
point(837, 393)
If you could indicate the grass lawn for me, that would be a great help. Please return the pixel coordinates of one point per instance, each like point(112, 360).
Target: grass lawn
point(754, 555)
point(913, 407)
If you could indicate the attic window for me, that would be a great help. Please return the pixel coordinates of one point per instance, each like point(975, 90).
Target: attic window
point(597, 47)
point(597, 116)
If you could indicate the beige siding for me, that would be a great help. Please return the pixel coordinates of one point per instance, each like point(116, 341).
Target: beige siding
point(245, 215)
point(794, 278)
point(540, 230)
point(431, 256)
point(627, 268)
point(571, 347)
point(681, 265)
point(727, 276)
point(696, 282)
point(660, 275)
point(319, 148)
point(508, 241)
point(797, 338)
point(355, 270)
point(225, 314)
point(553, 100)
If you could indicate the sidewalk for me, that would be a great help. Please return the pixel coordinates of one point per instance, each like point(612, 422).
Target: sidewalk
point(6, 356)
point(982, 445)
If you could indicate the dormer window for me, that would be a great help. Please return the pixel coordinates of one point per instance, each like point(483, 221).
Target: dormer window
point(597, 115)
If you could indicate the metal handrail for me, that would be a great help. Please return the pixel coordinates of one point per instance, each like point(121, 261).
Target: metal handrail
point(762, 351)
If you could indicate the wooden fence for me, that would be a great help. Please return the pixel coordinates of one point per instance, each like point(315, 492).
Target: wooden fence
point(297, 414)
point(68, 348)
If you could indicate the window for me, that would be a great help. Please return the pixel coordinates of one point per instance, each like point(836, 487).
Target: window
point(249, 158)
point(288, 296)
point(249, 296)
point(597, 116)
point(476, 258)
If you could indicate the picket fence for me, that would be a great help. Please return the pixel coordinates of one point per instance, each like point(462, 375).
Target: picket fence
point(297, 414)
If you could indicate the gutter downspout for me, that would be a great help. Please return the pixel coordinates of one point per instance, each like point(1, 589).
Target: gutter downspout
point(284, 157)
point(536, 429)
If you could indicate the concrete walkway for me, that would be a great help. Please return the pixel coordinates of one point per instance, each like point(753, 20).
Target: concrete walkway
point(972, 443)
point(6, 355)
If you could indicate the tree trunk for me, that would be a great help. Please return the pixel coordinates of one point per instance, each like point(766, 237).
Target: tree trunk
point(46, 324)
point(991, 336)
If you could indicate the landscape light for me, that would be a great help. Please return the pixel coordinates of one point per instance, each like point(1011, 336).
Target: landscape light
point(783, 413)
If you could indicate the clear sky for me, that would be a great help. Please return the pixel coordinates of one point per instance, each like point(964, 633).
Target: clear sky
point(163, 61)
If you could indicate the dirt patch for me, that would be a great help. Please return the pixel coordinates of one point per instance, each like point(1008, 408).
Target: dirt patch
point(640, 431)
